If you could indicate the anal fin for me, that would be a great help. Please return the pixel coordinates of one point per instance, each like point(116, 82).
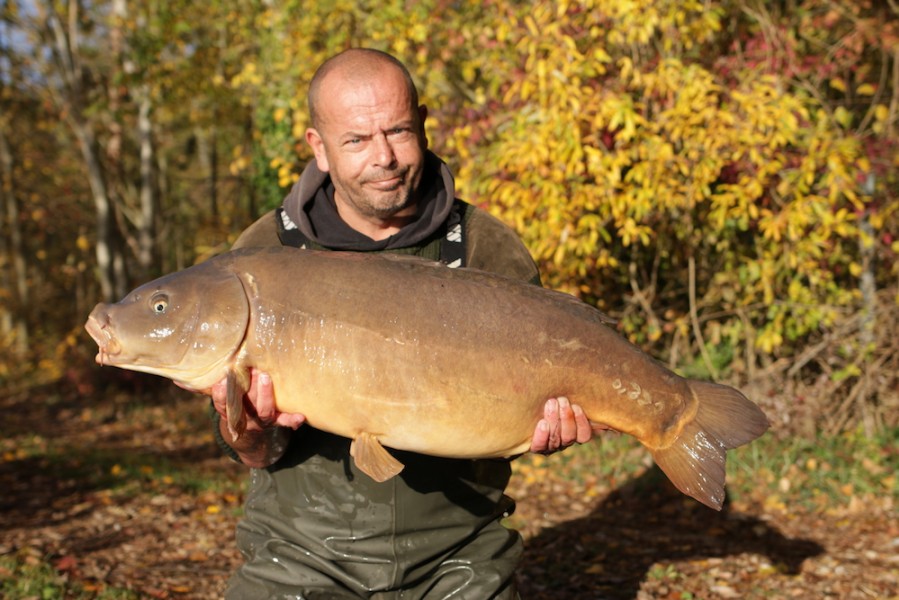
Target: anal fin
point(373, 459)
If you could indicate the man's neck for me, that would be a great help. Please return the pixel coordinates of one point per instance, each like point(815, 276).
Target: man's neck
point(373, 227)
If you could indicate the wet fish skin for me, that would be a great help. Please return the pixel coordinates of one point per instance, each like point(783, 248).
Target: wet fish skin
point(400, 352)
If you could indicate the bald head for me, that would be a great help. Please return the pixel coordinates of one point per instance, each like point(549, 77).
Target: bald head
point(368, 135)
point(355, 66)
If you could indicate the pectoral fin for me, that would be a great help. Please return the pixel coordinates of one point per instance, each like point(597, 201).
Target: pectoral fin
point(236, 416)
point(373, 459)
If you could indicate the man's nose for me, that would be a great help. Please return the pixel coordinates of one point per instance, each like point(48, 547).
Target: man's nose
point(384, 156)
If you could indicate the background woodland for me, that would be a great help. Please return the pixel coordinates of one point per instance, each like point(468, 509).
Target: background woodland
point(718, 175)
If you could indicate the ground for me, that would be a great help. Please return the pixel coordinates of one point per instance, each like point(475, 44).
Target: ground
point(115, 496)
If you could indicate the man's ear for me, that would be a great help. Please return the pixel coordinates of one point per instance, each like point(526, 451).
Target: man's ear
point(315, 141)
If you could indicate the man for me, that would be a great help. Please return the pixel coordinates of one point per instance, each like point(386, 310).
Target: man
point(314, 526)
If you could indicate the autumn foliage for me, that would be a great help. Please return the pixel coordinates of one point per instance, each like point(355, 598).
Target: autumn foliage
point(720, 176)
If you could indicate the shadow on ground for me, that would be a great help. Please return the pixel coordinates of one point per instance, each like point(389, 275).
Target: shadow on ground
point(610, 553)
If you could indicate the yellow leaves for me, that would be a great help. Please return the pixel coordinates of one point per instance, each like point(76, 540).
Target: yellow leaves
point(83, 243)
point(671, 24)
point(502, 31)
point(601, 56)
point(775, 503)
point(881, 119)
point(469, 72)
point(630, 233)
point(248, 76)
point(843, 117)
point(286, 177)
point(531, 26)
point(769, 340)
point(591, 167)
point(240, 161)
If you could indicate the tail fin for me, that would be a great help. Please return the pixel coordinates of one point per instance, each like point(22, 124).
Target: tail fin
point(725, 419)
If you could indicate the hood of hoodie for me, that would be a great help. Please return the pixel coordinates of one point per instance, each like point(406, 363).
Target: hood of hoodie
point(310, 205)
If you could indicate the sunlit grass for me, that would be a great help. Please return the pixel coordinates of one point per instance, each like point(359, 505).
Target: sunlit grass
point(28, 578)
point(130, 448)
point(827, 472)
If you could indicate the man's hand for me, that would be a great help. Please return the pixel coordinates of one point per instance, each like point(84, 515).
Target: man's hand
point(268, 430)
point(562, 425)
point(259, 404)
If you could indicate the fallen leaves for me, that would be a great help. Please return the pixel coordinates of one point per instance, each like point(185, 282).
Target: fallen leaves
point(644, 540)
point(141, 501)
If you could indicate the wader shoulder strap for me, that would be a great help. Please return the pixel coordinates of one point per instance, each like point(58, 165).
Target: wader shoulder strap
point(452, 246)
point(288, 232)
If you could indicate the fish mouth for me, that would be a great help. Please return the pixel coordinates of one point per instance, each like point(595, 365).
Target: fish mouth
point(102, 334)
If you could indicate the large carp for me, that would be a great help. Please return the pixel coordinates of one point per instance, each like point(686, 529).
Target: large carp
point(401, 352)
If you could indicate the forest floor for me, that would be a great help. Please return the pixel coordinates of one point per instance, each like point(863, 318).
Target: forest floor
point(122, 498)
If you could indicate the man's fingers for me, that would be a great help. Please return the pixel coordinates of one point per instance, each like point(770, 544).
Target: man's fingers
point(219, 394)
point(292, 420)
point(567, 426)
point(263, 396)
point(541, 437)
point(584, 429)
point(551, 415)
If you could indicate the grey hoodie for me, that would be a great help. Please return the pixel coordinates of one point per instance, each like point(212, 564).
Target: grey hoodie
point(312, 200)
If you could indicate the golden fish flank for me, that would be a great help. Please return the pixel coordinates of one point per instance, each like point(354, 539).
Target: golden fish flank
point(396, 351)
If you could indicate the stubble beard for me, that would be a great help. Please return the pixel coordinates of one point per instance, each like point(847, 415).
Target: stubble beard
point(383, 205)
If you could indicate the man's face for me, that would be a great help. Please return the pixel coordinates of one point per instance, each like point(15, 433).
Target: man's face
point(371, 140)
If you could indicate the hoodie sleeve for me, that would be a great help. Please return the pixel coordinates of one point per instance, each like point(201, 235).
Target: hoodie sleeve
point(494, 247)
point(263, 232)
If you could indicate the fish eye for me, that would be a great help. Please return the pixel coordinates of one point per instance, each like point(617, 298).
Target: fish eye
point(159, 303)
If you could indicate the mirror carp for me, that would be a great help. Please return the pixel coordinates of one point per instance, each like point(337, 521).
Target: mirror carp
point(402, 352)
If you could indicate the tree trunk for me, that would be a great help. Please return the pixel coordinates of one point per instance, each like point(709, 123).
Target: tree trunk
point(206, 154)
point(111, 270)
point(70, 98)
point(147, 228)
point(14, 321)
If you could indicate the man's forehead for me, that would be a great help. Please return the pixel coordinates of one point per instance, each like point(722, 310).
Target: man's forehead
point(367, 73)
point(366, 98)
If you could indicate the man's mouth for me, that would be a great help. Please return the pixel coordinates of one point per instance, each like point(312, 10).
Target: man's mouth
point(387, 181)
point(386, 185)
